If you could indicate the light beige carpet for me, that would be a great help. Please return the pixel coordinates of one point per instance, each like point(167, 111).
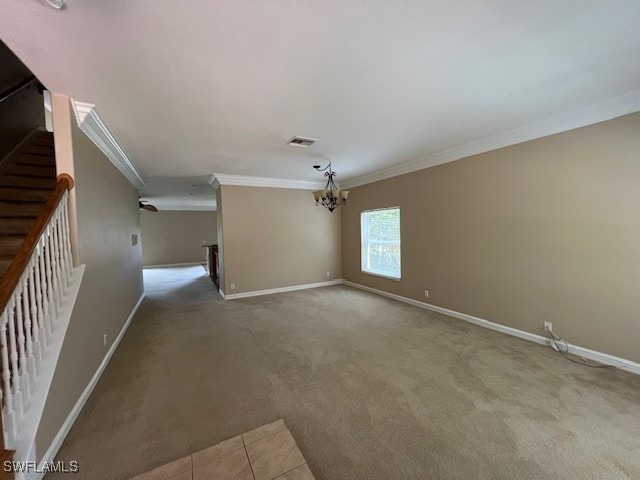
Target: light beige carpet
point(369, 387)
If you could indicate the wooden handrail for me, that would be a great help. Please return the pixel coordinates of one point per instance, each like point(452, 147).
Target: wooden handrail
point(6, 456)
point(12, 276)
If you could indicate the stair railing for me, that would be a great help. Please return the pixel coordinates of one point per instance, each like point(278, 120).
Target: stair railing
point(30, 298)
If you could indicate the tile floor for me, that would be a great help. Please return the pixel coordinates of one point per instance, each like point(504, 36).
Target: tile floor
point(266, 453)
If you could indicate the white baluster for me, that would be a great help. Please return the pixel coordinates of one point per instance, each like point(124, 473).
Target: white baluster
point(9, 414)
point(35, 316)
point(30, 367)
point(54, 303)
point(67, 231)
point(65, 239)
point(46, 297)
point(40, 299)
point(49, 276)
point(13, 356)
point(55, 250)
point(62, 250)
point(22, 351)
point(29, 317)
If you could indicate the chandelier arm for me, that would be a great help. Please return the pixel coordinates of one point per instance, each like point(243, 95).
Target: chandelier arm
point(327, 197)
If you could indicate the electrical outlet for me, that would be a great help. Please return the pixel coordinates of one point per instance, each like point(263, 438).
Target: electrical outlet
point(548, 326)
point(426, 294)
point(104, 339)
point(328, 274)
point(233, 285)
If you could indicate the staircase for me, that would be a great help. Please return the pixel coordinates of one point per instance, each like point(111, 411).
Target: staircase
point(38, 288)
point(27, 179)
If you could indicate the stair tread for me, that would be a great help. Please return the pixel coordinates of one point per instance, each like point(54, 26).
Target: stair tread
point(39, 151)
point(20, 209)
point(27, 181)
point(32, 149)
point(40, 160)
point(5, 262)
point(15, 221)
point(36, 171)
point(17, 226)
point(18, 189)
point(10, 244)
point(26, 175)
point(43, 141)
point(24, 194)
point(43, 133)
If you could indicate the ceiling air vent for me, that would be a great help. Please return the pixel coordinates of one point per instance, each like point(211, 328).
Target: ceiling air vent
point(301, 142)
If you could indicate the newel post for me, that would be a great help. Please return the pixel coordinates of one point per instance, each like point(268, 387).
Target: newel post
point(72, 218)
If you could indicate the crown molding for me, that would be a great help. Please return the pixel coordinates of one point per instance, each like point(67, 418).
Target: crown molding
point(90, 123)
point(213, 181)
point(218, 179)
point(580, 117)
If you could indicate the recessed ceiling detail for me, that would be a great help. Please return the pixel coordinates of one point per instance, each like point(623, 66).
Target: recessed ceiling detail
point(218, 179)
point(301, 142)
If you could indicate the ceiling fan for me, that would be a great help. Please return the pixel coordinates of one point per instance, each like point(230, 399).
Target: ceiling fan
point(147, 207)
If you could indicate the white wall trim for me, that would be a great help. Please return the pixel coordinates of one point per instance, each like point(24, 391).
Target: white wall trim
point(218, 179)
point(271, 291)
point(187, 264)
point(600, 357)
point(90, 123)
point(213, 181)
point(51, 452)
point(580, 117)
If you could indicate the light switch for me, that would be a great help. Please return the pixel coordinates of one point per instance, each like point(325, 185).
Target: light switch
point(134, 240)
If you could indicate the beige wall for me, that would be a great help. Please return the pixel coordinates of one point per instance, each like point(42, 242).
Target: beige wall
point(544, 230)
point(176, 236)
point(275, 237)
point(107, 209)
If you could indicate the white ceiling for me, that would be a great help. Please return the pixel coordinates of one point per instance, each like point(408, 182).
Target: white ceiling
point(196, 87)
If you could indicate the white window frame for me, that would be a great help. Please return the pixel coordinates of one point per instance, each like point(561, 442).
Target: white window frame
point(364, 257)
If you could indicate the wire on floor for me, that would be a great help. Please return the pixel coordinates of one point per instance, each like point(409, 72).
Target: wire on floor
point(562, 347)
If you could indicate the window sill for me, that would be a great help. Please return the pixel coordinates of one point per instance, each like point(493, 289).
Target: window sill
point(388, 277)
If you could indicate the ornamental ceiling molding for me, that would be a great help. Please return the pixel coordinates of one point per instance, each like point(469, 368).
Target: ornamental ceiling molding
point(577, 118)
point(92, 125)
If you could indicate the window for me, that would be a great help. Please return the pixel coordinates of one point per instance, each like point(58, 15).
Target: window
point(380, 242)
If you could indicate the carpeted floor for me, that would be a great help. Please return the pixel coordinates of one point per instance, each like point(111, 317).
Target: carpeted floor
point(369, 387)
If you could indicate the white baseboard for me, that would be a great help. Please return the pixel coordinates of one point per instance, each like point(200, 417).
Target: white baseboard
point(187, 264)
point(222, 293)
point(271, 291)
point(603, 358)
point(52, 451)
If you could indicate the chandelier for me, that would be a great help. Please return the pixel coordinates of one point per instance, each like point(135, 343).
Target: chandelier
point(331, 197)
